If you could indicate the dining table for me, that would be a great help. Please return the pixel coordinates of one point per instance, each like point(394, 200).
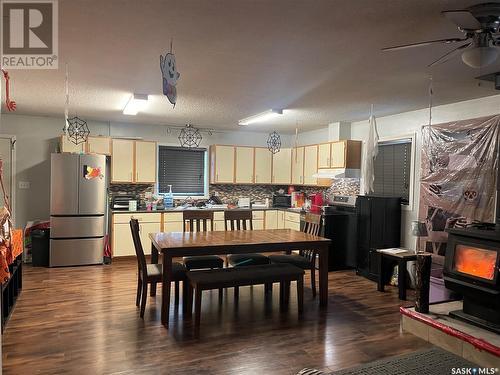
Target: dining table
point(180, 244)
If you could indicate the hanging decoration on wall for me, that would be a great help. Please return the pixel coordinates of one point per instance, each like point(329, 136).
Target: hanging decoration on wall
point(170, 75)
point(78, 130)
point(190, 137)
point(66, 104)
point(9, 104)
point(274, 142)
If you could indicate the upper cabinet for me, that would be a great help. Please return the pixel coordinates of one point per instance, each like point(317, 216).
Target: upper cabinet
point(67, 146)
point(99, 145)
point(133, 161)
point(324, 155)
point(298, 165)
point(263, 163)
point(122, 161)
point(282, 167)
point(310, 165)
point(145, 162)
point(345, 154)
point(222, 164)
point(244, 170)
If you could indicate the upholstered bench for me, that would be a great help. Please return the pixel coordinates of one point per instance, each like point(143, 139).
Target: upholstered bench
point(244, 276)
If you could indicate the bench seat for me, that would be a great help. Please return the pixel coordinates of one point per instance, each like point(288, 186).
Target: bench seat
point(245, 276)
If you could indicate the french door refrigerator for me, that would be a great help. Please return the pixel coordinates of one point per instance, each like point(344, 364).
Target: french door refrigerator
point(77, 209)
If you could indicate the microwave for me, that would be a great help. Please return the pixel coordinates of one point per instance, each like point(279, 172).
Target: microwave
point(282, 200)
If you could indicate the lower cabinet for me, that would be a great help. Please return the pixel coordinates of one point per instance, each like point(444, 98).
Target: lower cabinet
point(271, 221)
point(122, 244)
point(292, 220)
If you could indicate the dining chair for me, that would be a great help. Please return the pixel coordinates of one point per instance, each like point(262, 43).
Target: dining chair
point(242, 220)
point(152, 273)
point(306, 259)
point(200, 221)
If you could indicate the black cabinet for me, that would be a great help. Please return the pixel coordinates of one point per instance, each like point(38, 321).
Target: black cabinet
point(379, 227)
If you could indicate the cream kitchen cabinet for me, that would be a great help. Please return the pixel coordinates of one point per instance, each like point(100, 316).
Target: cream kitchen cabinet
point(173, 222)
point(122, 243)
point(122, 161)
point(145, 162)
point(282, 167)
point(221, 164)
point(244, 170)
point(99, 145)
point(271, 219)
point(345, 154)
point(263, 165)
point(310, 165)
point(281, 220)
point(67, 146)
point(133, 161)
point(324, 155)
point(292, 220)
point(298, 166)
point(258, 224)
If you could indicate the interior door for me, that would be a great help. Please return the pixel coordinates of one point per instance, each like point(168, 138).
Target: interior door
point(8, 168)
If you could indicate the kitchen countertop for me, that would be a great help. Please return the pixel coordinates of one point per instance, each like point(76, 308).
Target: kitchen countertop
point(296, 210)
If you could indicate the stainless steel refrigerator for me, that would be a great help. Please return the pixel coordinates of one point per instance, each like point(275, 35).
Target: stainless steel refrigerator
point(77, 209)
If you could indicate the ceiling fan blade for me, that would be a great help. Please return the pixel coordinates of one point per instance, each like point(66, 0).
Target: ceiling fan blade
point(463, 19)
point(420, 44)
point(447, 56)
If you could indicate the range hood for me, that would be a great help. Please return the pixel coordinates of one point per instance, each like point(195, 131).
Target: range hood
point(334, 173)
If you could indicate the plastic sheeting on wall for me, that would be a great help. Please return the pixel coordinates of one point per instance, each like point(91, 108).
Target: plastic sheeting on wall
point(458, 176)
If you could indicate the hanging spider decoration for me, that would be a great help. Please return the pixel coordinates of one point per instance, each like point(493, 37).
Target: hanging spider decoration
point(78, 130)
point(274, 142)
point(190, 137)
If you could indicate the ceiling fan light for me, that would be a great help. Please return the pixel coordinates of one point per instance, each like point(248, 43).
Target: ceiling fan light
point(480, 56)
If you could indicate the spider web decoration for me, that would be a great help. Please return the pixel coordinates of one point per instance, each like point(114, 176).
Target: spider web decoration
point(190, 137)
point(78, 130)
point(274, 142)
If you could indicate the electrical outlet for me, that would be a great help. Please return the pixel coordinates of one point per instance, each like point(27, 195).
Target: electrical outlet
point(24, 184)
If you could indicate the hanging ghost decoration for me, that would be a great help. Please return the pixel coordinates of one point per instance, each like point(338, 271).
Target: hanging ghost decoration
point(170, 76)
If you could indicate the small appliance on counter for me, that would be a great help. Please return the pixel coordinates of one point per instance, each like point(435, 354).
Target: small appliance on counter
point(244, 202)
point(282, 200)
point(298, 199)
point(120, 201)
point(317, 202)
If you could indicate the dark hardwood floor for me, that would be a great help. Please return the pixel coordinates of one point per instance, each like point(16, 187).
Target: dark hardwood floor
point(83, 320)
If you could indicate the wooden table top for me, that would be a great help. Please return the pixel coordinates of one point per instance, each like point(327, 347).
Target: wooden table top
point(272, 238)
point(408, 254)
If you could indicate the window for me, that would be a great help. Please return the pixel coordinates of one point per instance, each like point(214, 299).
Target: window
point(392, 168)
point(184, 169)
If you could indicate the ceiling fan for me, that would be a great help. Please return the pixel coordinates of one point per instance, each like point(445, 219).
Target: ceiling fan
point(480, 25)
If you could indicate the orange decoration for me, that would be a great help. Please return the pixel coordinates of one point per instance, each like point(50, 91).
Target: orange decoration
point(476, 262)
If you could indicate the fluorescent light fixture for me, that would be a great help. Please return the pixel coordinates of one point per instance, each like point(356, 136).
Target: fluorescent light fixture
point(135, 104)
point(261, 117)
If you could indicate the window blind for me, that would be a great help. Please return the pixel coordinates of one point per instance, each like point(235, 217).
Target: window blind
point(182, 168)
point(392, 170)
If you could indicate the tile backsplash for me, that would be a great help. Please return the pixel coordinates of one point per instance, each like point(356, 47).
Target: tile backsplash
point(231, 193)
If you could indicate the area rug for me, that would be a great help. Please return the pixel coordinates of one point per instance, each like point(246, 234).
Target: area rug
point(433, 361)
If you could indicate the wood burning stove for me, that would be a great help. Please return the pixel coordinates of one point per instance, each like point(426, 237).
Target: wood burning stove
point(472, 265)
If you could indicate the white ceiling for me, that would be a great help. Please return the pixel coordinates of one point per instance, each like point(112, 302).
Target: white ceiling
point(319, 59)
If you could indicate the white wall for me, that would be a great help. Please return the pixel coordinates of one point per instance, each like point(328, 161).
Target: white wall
point(37, 138)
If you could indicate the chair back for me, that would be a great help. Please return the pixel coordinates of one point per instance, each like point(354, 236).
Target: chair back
point(237, 220)
point(198, 221)
point(312, 225)
point(139, 252)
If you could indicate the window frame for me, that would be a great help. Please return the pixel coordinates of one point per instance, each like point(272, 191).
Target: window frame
point(182, 196)
point(411, 192)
